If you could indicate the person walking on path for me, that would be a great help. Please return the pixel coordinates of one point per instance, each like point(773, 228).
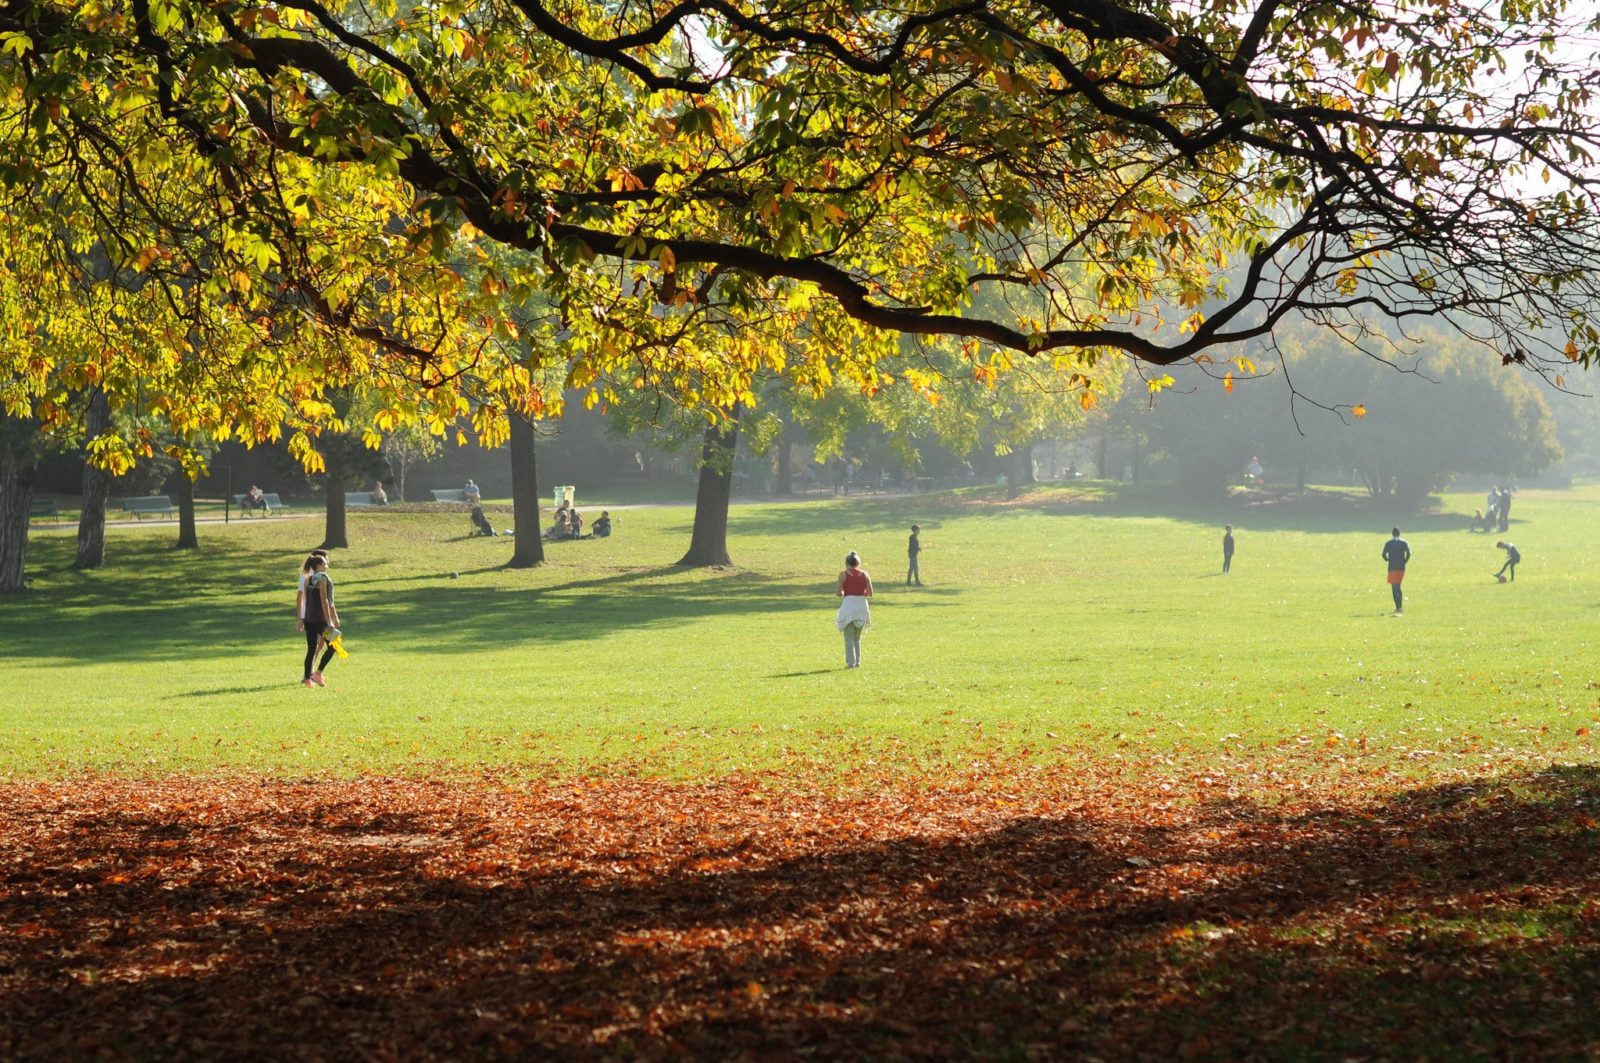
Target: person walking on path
point(321, 618)
point(1397, 552)
point(1512, 557)
point(1505, 508)
point(913, 551)
point(855, 587)
point(1227, 547)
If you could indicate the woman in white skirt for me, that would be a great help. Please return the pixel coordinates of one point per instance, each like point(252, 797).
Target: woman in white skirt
point(855, 587)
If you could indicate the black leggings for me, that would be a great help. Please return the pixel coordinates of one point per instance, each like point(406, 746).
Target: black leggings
point(314, 630)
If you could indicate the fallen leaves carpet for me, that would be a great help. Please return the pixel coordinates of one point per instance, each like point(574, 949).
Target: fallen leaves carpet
point(1092, 915)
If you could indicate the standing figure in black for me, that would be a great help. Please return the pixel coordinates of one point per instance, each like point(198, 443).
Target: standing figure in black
point(1504, 508)
point(913, 551)
point(1397, 552)
point(1227, 547)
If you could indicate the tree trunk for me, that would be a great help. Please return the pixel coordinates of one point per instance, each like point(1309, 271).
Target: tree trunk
point(335, 536)
point(1100, 465)
point(785, 464)
point(96, 489)
point(528, 550)
point(17, 463)
point(187, 539)
point(709, 543)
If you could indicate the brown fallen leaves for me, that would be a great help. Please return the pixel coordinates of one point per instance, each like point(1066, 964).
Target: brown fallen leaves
point(1093, 915)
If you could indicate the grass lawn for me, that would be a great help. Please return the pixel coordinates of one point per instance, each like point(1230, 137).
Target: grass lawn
point(1073, 621)
point(1086, 798)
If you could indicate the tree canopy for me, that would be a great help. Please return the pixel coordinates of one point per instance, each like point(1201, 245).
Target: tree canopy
point(253, 199)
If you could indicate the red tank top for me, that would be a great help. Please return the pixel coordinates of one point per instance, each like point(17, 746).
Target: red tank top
point(855, 581)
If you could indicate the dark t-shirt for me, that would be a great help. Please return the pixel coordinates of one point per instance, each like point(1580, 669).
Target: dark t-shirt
point(314, 613)
point(1397, 552)
point(1512, 555)
point(914, 546)
point(1227, 543)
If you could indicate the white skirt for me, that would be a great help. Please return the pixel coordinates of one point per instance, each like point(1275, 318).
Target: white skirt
point(853, 610)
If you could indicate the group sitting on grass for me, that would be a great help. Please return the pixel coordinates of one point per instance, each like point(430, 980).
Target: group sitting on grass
point(568, 524)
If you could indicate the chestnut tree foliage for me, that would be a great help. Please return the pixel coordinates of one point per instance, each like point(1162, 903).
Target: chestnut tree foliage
point(221, 210)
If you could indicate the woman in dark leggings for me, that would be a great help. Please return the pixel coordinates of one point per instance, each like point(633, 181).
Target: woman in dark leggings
point(320, 616)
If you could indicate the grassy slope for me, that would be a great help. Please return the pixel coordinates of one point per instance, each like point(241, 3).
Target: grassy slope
point(1072, 620)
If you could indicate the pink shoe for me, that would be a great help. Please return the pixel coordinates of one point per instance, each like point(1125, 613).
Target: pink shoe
point(316, 677)
point(307, 683)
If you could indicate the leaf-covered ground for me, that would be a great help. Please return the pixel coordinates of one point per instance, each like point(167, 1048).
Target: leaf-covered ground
point(1107, 913)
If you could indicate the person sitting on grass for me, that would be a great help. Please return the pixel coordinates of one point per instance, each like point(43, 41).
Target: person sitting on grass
point(481, 522)
point(602, 526)
point(1512, 557)
point(575, 524)
point(562, 528)
point(1478, 523)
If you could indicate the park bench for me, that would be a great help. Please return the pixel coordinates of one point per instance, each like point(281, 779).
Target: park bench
point(154, 504)
point(42, 507)
point(450, 494)
point(359, 500)
point(274, 504)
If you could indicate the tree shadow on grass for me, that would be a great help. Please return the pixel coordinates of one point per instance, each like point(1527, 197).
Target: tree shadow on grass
point(218, 602)
point(387, 919)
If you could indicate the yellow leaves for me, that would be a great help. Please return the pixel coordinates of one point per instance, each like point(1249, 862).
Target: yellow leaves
point(625, 181)
point(1088, 401)
point(1571, 350)
point(1358, 410)
point(144, 259)
point(1227, 382)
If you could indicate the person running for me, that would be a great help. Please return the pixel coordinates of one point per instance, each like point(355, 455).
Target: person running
point(1512, 557)
point(1227, 547)
point(854, 616)
point(321, 616)
point(913, 551)
point(1397, 552)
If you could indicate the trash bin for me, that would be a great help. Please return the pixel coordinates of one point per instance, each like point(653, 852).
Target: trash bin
point(563, 494)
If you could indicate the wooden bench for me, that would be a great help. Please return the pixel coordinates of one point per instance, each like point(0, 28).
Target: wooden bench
point(453, 494)
point(359, 500)
point(155, 504)
point(274, 503)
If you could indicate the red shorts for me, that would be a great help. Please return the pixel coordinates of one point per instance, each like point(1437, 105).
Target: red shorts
point(1396, 575)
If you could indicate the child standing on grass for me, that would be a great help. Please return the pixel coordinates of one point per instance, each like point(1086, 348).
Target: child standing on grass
point(1227, 547)
point(855, 587)
point(913, 551)
point(1512, 557)
point(321, 616)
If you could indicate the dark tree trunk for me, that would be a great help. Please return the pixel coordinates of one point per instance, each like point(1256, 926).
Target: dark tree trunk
point(96, 489)
point(187, 539)
point(528, 550)
point(1100, 464)
point(17, 463)
point(709, 543)
point(335, 535)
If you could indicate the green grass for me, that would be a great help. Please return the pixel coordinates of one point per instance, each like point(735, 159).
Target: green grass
point(1080, 619)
